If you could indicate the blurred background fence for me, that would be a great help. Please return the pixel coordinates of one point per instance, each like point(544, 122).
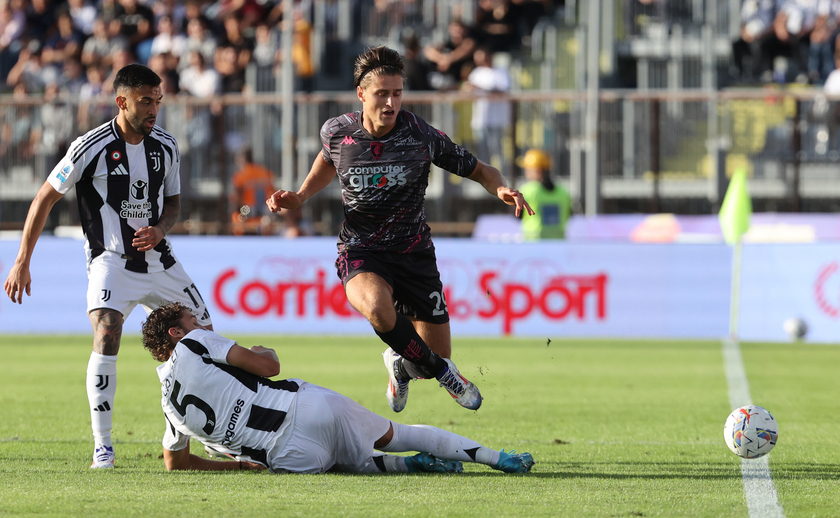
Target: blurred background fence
point(658, 151)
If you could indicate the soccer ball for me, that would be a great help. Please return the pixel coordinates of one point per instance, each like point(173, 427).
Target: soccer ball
point(750, 432)
point(796, 328)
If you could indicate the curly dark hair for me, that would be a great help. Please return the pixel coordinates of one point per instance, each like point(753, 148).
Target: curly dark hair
point(156, 329)
point(377, 61)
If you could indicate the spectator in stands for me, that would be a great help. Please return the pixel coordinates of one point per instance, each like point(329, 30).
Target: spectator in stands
point(12, 22)
point(793, 25)
point(83, 14)
point(168, 40)
point(832, 82)
point(198, 79)
point(108, 14)
point(39, 19)
point(55, 125)
point(304, 67)
point(28, 70)
point(754, 51)
point(251, 185)
point(301, 51)
point(823, 41)
point(12, 26)
point(231, 74)
point(192, 11)
point(94, 108)
point(138, 25)
point(265, 50)
point(120, 58)
point(450, 57)
point(19, 132)
point(233, 35)
point(163, 66)
point(199, 38)
point(72, 77)
point(249, 11)
point(490, 119)
point(550, 201)
point(65, 43)
point(175, 10)
point(99, 49)
point(496, 25)
point(416, 69)
point(528, 13)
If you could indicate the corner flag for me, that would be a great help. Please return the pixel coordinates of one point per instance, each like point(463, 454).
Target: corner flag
point(735, 211)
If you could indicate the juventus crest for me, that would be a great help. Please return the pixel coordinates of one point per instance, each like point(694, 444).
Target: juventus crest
point(156, 160)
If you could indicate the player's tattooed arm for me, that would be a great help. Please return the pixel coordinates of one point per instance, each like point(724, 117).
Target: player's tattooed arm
point(147, 238)
point(107, 330)
point(170, 213)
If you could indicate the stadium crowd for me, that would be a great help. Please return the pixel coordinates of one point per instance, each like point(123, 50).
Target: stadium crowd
point(202, 47)
point(786, 41)
point(68, 51)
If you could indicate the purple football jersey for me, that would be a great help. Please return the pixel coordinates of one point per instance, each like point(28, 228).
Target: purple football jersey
point(384, 180)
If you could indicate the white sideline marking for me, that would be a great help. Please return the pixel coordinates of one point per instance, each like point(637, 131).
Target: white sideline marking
point(762, 501)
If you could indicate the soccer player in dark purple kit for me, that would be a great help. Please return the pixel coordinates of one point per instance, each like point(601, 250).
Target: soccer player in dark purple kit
point(386, 258)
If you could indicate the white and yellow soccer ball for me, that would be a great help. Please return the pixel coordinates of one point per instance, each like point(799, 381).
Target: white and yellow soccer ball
point(750, 432)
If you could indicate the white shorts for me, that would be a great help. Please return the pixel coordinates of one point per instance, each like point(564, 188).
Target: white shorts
point(328, 430)
point(111, 286)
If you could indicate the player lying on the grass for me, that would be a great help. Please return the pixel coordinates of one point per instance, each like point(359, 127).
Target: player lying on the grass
point(218, 392)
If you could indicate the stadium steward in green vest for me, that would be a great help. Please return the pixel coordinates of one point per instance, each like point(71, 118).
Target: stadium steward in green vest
point(550, 201)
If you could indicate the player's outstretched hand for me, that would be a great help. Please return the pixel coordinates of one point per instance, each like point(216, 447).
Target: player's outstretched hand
point(18, 281)
point(147, 238)
point(514, 197)
point(283, 200)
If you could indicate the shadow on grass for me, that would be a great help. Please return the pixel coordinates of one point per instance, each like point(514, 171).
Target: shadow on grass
point(15, 464)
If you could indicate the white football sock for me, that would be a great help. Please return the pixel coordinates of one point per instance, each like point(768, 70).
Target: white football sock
point(101, 386)
point(440, 443)
point(386, 463)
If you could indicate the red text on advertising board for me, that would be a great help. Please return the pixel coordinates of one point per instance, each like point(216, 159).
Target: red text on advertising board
point(824, 300)
point(257, 297)
point(562, 297)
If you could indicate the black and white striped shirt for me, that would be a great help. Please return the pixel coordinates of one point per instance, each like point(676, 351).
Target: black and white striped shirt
point(120, 188)
point(225, 407)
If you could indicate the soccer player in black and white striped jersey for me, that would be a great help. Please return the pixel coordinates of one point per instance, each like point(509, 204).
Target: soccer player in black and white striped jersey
point(217, 392)
point(126, 174)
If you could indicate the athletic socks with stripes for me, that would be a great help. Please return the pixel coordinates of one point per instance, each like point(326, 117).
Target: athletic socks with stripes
point(101, 384)
point(405, 341)
point(440, 443)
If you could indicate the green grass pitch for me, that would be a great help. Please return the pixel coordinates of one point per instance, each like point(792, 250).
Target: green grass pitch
point(618, 428)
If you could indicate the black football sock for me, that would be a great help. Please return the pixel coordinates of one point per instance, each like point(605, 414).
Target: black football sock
point(405, 341)
point(411, 369)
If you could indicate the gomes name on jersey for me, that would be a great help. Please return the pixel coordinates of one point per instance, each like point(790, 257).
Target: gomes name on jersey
point(231, 426)
point(136, 210)
point(360, 178)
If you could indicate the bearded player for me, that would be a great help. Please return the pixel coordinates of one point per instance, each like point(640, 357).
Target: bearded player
point(126, 174)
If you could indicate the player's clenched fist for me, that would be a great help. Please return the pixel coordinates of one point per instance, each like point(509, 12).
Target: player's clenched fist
point(283, 200)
